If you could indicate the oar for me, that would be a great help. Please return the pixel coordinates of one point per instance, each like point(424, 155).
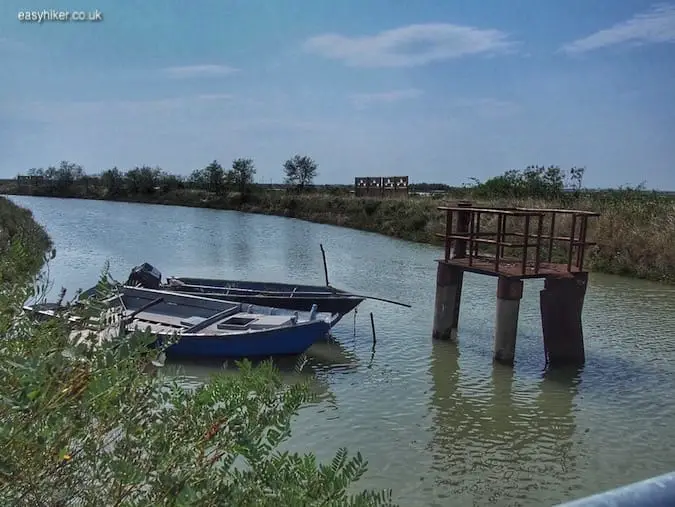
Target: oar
point(152, 303)
point(369, 297)
point(382, 299)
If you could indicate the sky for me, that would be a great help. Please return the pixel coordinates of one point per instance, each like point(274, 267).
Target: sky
point(441, 91)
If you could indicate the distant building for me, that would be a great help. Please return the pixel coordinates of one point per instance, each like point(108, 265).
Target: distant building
point(381, 186)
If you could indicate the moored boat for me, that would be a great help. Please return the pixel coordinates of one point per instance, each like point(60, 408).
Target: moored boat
point(205, 327)
point(273, 294)
point(215, 328)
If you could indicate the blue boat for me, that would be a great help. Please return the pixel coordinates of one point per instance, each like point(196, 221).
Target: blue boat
point(205, 327)
point(208, 327)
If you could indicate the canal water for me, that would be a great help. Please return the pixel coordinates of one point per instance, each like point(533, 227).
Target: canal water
point(438, 423)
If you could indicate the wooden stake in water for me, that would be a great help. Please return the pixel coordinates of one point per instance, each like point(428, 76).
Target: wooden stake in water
point(325, 266)
point(372, 326)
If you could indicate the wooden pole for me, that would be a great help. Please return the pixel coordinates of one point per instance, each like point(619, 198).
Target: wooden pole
point(325, 266)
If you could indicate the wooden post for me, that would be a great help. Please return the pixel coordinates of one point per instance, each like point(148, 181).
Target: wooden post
point(325, 266)
point(463, 220)
point(561, 302)
point(509, 294)
point(372, 327)
point(448, 294)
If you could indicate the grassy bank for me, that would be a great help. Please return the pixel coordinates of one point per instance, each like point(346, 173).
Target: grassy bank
point(18, 230)
point(635, 233)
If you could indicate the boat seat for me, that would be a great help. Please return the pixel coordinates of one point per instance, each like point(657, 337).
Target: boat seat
point(192, 321)
point(161, 318)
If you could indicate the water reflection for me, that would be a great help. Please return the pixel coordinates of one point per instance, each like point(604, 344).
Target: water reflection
point(487, 429)
point(291, 369)
point(240, 244)
point(299, 260)
point(331, 356)
point(311, 367)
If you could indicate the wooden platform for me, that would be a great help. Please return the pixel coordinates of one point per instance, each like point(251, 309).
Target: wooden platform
point(511, 269)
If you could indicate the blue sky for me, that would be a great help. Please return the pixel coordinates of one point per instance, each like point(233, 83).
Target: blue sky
point(438, 90)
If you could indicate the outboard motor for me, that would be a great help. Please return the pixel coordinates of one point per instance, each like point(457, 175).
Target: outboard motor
point(146, 276)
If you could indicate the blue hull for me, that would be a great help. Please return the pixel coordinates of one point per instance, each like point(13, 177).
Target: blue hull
point(290, 340)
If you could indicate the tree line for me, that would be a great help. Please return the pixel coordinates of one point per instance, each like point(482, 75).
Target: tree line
point(534, 181)
point(299, 173)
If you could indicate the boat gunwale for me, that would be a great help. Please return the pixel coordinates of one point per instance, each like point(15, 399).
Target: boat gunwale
point(238, 334)
point(285, 288)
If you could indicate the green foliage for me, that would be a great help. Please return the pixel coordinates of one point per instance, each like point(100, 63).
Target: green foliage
point(142, 180)
point(23, 243)
point(533, 182)
point(215, 176)
point(88, 418)
point(212, 178)
point(242, 174)
point(60, 180)
point(112, 181)
point(300, 171)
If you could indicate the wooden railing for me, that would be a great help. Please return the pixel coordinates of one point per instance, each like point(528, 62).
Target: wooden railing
point(464, 237)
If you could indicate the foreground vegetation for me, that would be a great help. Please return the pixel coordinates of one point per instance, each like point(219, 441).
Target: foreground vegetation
point(98, 424)
point(635, 233)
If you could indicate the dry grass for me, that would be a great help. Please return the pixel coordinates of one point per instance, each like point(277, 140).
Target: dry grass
point(635, 233)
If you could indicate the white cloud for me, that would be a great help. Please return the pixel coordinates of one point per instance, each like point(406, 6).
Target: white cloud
point(410, 45)
point(487, 107)
point(110, 110)
point(215, 96)
point(362, 100)
point(191, 71)
point(655, 26)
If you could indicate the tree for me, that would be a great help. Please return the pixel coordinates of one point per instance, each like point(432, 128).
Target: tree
point(142, 180)
point(35, 171)
point(300, 171)
point(241, 174)
point(215, 176)
point(533, 181)
point(169, 182)
point(50, 173)
point(577, 177)
point(112, 181)
point(66, 174)
point(198, 179)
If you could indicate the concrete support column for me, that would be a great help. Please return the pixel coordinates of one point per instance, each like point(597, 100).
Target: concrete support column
point(509, 294)
point(562, 302)
point(448, 297)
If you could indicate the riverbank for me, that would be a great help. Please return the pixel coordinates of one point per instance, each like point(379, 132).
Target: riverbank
point(18, 230)
point(635, 232)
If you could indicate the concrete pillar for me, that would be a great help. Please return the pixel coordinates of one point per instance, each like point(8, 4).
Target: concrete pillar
point(448, 297)
point(561, 302)
point(509, 294)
